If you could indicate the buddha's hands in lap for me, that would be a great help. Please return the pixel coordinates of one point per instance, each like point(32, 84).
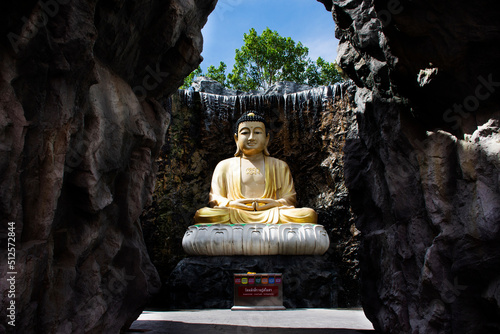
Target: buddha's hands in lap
point(255, 204)
point(242, 204)
point(269, 203)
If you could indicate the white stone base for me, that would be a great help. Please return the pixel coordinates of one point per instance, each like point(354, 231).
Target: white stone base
point(256, 239)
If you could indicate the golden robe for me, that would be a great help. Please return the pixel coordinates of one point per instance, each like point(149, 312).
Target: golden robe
point(226, 186)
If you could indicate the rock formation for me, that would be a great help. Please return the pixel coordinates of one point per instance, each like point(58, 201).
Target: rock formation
point(423, 164)
point(308, 131)
point(80, 129)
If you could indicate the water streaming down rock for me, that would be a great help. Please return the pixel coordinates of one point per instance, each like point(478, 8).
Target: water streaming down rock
point(314, 100)
point(308, 130)
point(279, 104)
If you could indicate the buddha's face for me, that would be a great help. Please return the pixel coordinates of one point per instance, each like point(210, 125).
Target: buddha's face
point(251, 137)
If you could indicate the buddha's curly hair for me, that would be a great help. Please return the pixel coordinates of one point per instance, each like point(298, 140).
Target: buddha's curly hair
point(250, 116)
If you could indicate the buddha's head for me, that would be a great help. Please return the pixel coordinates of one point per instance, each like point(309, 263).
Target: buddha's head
point(251, 134)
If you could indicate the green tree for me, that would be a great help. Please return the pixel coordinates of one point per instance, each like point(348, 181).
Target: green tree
point(322, 73)
point(217, 73)
point(266, 59)
point(190, 78)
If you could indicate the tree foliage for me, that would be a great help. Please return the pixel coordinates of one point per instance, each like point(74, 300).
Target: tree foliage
point(269, 58)
point(266, 59)
point(217, 73)
point(188, 81)
point(323, 73)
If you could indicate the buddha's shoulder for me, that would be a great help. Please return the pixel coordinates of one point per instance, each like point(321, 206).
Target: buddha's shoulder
point(227, 162)
point(235, 160)
point(276, 161)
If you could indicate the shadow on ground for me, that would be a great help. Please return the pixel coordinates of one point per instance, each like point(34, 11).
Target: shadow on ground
point(172, 327)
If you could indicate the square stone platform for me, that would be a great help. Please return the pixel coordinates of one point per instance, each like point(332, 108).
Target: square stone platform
point(206, 282)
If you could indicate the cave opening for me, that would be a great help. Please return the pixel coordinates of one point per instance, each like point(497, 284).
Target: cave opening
point(309, 130)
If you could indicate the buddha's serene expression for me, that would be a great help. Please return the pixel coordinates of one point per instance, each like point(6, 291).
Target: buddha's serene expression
point(251, 138)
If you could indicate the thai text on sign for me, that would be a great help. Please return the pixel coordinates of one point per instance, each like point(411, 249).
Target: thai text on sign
point(258, 291)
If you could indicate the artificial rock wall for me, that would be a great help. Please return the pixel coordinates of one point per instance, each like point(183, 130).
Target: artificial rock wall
point(80, 129)
point(308, 127)
point(423, 171)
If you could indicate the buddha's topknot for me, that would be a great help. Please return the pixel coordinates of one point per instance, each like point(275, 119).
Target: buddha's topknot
point(250, 116)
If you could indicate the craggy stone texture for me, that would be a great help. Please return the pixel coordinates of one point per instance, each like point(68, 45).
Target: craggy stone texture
point(308, 131)
point(78, 151)
point(208, 281)
point(422, 165)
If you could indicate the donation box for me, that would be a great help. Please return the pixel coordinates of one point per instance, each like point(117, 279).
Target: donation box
point(253, 291)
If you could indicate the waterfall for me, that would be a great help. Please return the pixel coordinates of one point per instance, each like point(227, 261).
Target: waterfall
point(278, 102)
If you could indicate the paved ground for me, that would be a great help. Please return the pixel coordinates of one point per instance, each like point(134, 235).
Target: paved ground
point(296, 321)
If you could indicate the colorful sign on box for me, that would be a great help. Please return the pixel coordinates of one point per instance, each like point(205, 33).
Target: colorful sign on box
point(271, 291)
point(258, 291)
point(251, 279)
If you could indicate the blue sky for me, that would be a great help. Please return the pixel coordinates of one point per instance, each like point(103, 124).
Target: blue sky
point(305, 21)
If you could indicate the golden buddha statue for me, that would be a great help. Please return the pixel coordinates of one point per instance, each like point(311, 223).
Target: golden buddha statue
point(253, 187)
point(252, 204)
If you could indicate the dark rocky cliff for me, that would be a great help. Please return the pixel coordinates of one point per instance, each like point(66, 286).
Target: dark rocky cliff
point(80, 129)
point(423, 165)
